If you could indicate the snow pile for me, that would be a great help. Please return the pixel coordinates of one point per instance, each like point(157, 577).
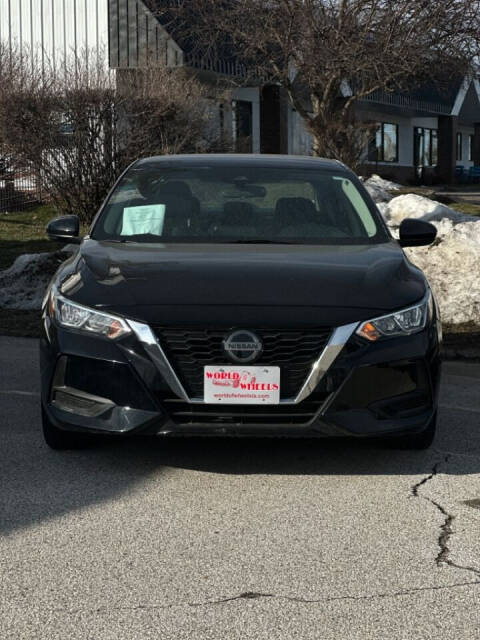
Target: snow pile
point(22, 286)
point(379, 188)
point(451, 265)
point(381, 183)
point(376, 191)
point(415, 206)
point(378, 195)
point(383, 208)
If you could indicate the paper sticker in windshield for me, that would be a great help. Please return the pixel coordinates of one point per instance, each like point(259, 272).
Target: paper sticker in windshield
point(144, 219)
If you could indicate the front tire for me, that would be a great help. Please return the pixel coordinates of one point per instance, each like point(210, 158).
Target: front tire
point(61, 440)
point(417, 441)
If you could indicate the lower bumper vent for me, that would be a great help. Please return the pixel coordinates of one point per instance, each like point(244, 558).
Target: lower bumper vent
point(185, 414)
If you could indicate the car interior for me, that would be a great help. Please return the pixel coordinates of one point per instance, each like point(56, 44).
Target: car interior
point(183, 214)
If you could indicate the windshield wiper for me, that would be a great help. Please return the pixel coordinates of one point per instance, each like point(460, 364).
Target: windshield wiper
point(145, 238)
point(264, 241)
point(138, 238)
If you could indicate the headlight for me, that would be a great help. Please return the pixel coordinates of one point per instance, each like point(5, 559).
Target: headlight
point(75, 316)
point(401, 323)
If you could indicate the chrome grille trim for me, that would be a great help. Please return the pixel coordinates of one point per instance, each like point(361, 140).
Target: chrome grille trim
point(152, 346)
point(334, 346)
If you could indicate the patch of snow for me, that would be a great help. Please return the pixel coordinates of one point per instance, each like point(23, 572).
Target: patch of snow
point(383, 208)
point(377, 181)
point(379, 188)
point(452, 268)
point(415, 206)
point(445, 226)
point(451, 263)
point(22, 286)
point(377, 194)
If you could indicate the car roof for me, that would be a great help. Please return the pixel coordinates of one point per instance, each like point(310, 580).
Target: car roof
point(239, 160)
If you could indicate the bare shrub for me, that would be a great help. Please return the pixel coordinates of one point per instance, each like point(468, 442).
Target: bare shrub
point(80, 126)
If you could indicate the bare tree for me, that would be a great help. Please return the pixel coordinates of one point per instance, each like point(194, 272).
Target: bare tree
point(329, 54)
point(81, 126)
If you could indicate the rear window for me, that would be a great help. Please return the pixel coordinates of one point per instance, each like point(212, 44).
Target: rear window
point(238, 204)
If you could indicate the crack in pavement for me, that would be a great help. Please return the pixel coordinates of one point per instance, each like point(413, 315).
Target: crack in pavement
point(446, 529)
point(257, 595)
point(417, 486)
point(252, 595)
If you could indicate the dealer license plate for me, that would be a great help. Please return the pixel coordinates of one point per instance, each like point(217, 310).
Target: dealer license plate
point(241, 385)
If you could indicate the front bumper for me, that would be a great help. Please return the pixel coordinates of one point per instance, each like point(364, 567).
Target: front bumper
point(369, 389)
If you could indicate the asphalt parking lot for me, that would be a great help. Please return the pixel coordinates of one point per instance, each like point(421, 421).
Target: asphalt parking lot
point(237, 538)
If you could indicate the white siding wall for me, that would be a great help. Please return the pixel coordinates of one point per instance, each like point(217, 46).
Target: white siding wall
point(466, 132)
point(54, 29)
point(299, 140)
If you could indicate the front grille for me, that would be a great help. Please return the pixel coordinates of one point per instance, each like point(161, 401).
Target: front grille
point(189, 350)
point(184, 414)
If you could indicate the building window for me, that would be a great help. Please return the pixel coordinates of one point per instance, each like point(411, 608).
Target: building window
point(384, 147)
point(470, 147)
point(426, 147)
point(459, 146)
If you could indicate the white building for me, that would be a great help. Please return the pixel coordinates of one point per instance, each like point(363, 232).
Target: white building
point(54, 29)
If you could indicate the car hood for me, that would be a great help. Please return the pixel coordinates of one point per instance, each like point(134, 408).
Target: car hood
point(235, 283)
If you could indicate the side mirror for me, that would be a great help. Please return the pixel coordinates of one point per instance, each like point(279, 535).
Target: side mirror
point(65, 229)
point(416, 233)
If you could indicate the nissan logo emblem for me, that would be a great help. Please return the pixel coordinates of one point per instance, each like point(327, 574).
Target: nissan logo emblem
point(242, 346)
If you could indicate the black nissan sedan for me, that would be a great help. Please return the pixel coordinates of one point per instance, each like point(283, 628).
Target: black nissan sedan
point(239, 295)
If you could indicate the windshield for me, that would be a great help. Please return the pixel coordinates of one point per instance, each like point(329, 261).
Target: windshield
point(238, 204)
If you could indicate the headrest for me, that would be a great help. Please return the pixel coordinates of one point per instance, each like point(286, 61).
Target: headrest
point(291, 211)
point(175, 188)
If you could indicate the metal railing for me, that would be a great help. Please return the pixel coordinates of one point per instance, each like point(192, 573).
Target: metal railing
point(398, 100)
point(216, 65)
point(19, 186)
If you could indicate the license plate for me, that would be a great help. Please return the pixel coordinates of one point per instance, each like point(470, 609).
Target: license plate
point(241, 385)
